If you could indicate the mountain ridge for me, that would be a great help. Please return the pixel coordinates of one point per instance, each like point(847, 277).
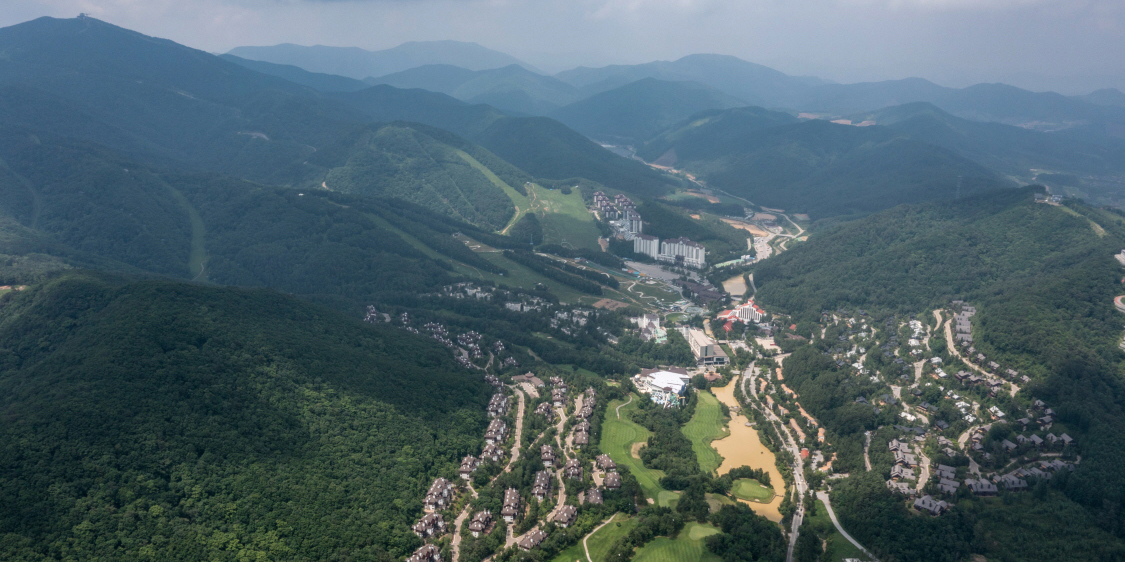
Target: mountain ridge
point(357, 63)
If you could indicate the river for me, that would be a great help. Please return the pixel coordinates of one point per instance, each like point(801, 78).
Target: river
point(743, 447)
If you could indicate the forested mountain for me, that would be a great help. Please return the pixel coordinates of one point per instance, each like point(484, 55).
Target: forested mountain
point(753, 83)
point(226, 428)
point(1043, 278)
point(981, 102)
point(1010, 150)
point(161, 101)
point(91, 207)
point(635, 112)
point(316, 80)
point(360, 63)
point(1106, 96)
point(511, 88)
point(817, 167)
point(169, 106)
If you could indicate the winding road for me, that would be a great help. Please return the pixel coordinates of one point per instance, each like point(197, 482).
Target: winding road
point(823, 496)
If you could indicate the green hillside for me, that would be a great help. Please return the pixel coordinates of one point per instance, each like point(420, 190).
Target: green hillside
point(548, 149)
point(319, 81)
point(635, 112)
point(159, 420)
point(815, 167)
point(425, 166)
point(162, 102)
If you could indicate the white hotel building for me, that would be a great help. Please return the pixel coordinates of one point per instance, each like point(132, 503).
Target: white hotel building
point(679, 251)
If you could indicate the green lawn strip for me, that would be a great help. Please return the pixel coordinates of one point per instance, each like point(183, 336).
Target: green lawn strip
point(520, 276)
point(575, 553)
point(688, 545)
point(838, 547)
point(705, 426)
point(751, 490)
point(519, 200)
point(197, 259)
point(618, 437)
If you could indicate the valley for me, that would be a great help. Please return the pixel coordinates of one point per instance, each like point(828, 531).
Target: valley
point(433, 304)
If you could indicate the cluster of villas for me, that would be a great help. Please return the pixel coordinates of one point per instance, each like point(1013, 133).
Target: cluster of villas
point(621, 213)
point(441, 493)
point(498, 405)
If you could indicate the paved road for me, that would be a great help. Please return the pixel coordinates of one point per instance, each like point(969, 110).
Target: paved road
point(823, 496)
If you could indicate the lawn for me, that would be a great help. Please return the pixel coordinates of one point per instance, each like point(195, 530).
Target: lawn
point(654, 291)
point(688, 545)
point(618, 437)
point(600, 541)
point(838, 548)
point(565, 219)
point(521, 276)
point(751, 490)
point(705, 426)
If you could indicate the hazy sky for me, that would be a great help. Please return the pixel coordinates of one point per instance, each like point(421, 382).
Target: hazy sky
point(1071, 46)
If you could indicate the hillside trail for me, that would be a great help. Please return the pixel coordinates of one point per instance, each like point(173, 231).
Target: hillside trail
point(586, 547)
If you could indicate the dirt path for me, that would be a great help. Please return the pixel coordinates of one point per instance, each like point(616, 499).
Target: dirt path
point(515, 455)
point(585, 546)
point(867, 447)
point(456, 546)
point(618, 408)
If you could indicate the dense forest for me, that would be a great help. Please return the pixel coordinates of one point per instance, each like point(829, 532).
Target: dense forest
point(160, 420)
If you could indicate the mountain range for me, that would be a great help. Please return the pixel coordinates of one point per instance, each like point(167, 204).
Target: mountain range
point(359, 63)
